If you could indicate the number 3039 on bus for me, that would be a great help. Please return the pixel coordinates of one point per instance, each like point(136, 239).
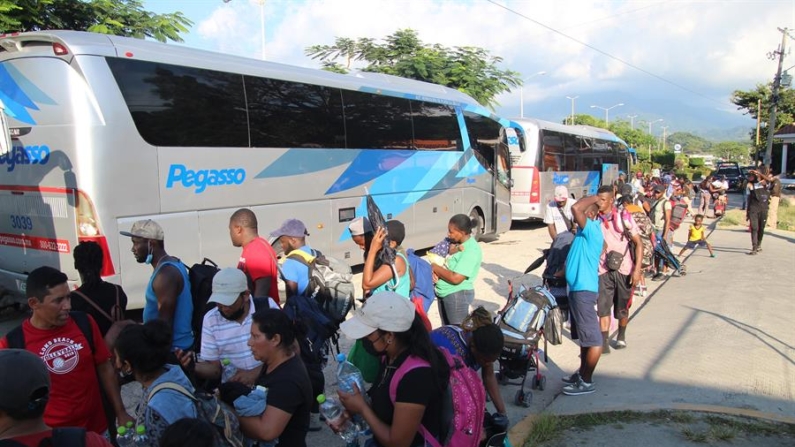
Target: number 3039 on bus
point(21, 223)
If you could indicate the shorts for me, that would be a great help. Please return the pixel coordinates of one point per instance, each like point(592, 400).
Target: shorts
point(693, 244)
point(614, 291)
point(581, 309)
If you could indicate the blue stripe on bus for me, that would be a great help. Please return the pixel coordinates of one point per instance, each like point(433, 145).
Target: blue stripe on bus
point(296, 162)
point(361, 170)
point(19, 94)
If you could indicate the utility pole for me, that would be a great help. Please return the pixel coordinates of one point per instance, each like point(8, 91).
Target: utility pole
point(662, 142)
point(632, 121)
point(758, 121)
point(771, 129)
point(572, 98)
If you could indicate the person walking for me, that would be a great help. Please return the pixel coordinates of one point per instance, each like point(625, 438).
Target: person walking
point(455, 280)
point(705, 196)
point(258, 259)
point(582, 277)
point(758, 203)
point(105, 302)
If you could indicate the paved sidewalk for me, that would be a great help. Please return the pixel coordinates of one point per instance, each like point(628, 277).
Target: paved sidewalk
point(719, 338)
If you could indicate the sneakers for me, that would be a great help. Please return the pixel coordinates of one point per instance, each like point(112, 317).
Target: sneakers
point(712, 255)
point(621, 344)
point(658, 277)
point(572, 379)
point(581, 387)
point(314, 422)
point(753, 252)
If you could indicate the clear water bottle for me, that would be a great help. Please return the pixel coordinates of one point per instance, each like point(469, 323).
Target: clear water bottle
point(332, 411)
point(228, 370)
point(348, 375)
point(140, 439)
point(124, 438)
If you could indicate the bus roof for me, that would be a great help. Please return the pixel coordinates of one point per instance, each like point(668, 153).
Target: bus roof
point(582, 130)
point(85, 43)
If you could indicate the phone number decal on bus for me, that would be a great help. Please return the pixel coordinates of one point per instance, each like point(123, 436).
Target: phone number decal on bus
point(34, 243)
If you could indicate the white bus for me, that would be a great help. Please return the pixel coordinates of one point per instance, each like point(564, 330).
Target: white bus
point(550, 154)
point(109, 130)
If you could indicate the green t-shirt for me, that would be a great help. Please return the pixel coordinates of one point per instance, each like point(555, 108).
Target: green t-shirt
point(467, 263)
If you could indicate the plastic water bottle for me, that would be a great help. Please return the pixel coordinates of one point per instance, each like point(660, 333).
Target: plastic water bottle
point(140, 439)
point(348, 375)
point(332, 411)
point(228, 370)
point(124, 438)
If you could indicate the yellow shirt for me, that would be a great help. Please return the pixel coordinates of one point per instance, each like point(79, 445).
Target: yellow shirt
point(696, 234)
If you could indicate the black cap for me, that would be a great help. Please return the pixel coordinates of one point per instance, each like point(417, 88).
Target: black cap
point(659, 188)
point(22, 375)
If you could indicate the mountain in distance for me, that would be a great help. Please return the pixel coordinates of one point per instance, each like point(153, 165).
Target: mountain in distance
point(706, 121)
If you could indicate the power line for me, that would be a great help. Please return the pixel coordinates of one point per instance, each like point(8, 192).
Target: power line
point(605, 53)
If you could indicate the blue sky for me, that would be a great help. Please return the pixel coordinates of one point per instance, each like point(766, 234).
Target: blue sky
point(708, 48)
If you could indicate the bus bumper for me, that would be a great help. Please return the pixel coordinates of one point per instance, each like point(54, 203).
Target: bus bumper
point(526, 211)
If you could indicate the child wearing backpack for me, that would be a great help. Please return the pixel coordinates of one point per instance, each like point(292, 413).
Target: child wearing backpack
point(696, 237)
point(412, 371)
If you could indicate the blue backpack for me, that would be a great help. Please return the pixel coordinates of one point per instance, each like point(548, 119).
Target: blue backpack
point(320, 329)
point(423, 279)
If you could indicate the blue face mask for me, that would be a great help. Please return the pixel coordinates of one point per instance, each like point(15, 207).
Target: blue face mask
point(148, 260)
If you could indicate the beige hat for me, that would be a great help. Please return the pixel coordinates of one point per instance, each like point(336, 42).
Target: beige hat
point(228, 284)
point(387, 311)
point(360, 226)
point(146, 229)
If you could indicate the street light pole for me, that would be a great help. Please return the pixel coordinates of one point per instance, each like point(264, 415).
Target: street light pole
point(261, 23)
point(521, 92)
point(650, 124)
point(632, 121)
point(662, 142)
point(572, 98)
point(607, 111)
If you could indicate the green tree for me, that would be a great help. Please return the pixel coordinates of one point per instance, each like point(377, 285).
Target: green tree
point(636, 138)
point(691, 144)
point(471, 70)
point(733, 150)
point(119, 17)
point(748, 102)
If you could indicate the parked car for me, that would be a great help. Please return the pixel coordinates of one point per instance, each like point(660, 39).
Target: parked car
point(733, 173)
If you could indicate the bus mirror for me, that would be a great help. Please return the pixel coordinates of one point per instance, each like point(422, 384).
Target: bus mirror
point(5, 138)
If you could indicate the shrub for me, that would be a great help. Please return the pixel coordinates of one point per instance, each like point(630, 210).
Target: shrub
point(696, 162)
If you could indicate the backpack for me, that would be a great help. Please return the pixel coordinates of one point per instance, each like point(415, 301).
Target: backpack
point(210, 408)
point(61, 437)
point(423, 279)
point(116, 317)
point(553, 326)
point(16, 337)
point(646, 230)
point(330, 283)
point(201, 287)
point(677, 214)
point(464, 402)
point(320, 328)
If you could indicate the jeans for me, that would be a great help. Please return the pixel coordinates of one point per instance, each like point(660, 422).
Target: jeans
point(454, 307)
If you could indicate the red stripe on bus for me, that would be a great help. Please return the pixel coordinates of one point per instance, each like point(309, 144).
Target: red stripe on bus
point(34, 243)
point(52, 189)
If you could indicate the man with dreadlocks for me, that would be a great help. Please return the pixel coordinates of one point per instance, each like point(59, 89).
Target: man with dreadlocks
point(479, 343)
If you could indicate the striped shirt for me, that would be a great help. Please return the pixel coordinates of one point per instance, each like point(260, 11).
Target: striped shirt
point(225, 339)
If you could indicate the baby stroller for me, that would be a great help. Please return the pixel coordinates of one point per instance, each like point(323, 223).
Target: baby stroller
point(522, 323)
point(663, 251)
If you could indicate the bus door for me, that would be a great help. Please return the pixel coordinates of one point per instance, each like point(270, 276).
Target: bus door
point(509, 141)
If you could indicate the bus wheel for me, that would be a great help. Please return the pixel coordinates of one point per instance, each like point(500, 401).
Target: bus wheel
point(478, 230)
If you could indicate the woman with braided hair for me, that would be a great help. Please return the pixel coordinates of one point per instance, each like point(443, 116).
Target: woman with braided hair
point(478, 342)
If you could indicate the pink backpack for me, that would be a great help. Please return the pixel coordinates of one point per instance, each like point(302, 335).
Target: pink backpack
point(468, 404)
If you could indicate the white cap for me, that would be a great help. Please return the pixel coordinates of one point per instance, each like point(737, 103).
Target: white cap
point(228, 284)
point(561, 192)
point(360, 226)
point(387, 311)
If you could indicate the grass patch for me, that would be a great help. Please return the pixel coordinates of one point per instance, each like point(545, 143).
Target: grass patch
point(695, 435)
point(546, 428)
point(732, 218)
point(786, 215)
point(722, 433)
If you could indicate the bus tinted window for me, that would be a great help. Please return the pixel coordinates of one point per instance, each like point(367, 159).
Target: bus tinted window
point(484, 135)
point(183, 106)
point(292, 114)
point(435, 127)
point(376, 122)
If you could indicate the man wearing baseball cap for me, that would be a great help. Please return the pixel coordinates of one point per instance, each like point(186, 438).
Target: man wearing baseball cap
point(660, 216)
point(557, 214)
point(24, 394)
point(168, 296)
point(292, 235)
point(361, 230)
point(226, 330)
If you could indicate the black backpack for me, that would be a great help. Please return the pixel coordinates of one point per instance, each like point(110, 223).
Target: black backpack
point(16, 337)
point(61, 437)
point(201, 287)
point(330, 283)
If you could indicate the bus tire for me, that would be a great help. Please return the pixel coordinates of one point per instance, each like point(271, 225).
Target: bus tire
point(479, 229)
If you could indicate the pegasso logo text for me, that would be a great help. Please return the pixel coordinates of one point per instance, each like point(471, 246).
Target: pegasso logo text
point(30, 155)
point(204, 178)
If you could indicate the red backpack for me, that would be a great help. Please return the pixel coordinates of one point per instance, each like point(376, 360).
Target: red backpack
point(464, 406)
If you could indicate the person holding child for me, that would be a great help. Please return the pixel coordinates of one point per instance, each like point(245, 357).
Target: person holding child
point(696, 237)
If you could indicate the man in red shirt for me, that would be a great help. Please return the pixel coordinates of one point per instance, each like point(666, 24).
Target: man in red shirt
point(25, 391)
point(258, 260)
point(76, 364)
